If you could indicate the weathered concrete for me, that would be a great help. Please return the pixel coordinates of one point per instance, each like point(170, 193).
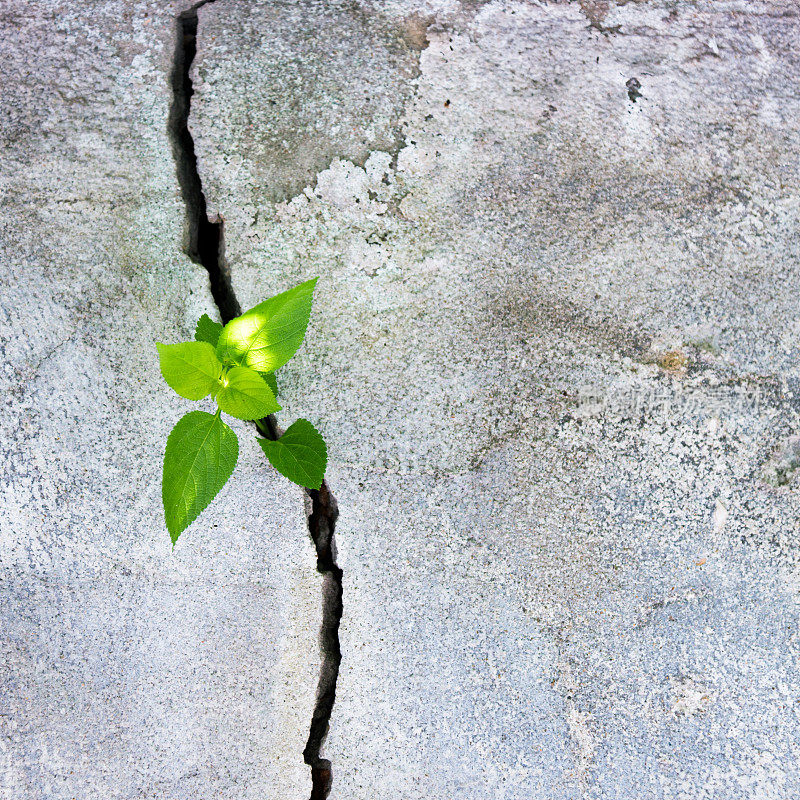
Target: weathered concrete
point(128, 671)
point(555, 358)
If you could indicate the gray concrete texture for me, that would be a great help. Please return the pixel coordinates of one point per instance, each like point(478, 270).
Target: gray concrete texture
point(554, 353)
point(128, 671)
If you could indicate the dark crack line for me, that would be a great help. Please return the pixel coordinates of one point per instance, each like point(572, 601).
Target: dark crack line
point(205, 245)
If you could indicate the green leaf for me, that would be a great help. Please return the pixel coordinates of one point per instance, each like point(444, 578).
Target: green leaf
point(271, 380)
point(207, 330)
point(190, 368)
point(245, 395)
point(200, 456)
point(267, 336)
point(300, 454)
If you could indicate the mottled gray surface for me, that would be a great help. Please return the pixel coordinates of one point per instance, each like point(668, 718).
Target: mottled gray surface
point(301, 82)
point(127, 671)
point(555, 357)
point(554, 354)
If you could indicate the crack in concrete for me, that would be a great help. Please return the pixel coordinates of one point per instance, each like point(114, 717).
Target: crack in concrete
point(206, 238)
point(205, 246)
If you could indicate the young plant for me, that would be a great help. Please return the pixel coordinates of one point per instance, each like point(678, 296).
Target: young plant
point(235, 364)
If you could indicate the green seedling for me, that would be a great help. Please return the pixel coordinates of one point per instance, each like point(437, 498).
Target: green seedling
point(236, 365)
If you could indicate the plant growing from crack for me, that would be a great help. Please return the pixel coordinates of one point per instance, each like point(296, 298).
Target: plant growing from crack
point(235, 364)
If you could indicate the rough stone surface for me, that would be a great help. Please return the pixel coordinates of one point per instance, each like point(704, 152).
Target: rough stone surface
point(288, 111)
point(128, 671)
point(555, 355)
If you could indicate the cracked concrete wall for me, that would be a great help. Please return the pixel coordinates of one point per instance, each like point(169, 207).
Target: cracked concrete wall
point(554, 354)
point(128, 671)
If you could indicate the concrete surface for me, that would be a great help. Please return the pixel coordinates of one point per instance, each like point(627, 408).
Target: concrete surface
point(554, 354)
point(128, 671)
point(555, 358)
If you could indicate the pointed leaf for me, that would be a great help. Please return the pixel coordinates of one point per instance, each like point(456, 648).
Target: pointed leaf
point(207, 330)
point(268, 335)
point(300, 454)
point(200, 456)
point(190, 368)
point(245, 395)
point(271, 381)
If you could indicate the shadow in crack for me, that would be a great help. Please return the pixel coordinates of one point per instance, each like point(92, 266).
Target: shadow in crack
point(205, 245)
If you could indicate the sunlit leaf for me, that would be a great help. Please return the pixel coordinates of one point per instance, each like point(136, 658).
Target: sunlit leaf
point(268, 335)
point(245, 395)
point(300, 454)
point(190, 368)
point(207, 330)
point(201, 454)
